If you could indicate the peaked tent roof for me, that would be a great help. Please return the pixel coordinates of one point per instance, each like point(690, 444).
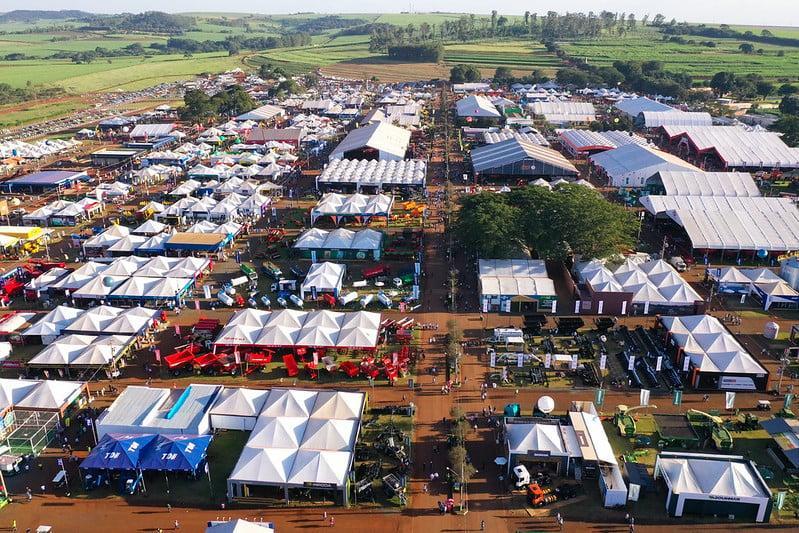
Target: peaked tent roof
point(117, 452)
point(485, 158)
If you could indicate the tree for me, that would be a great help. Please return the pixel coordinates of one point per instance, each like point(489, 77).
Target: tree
point(722, 83)
point(747, 48)
point(503, 75)
point(786, 89)
point(790, 105)
point(764, 89)
point(789, 127)
point(486, 224)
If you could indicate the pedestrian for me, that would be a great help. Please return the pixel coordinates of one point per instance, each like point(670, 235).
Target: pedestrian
point(168, 508)
point(14, 526)
point(424, 488)
point(324, 516)
point(177, 524)
point(627, 518)
point(560, 523)
point(332, 521)
point(557, 518)
point(482, 525)
point(432, 477)
point(28, 493)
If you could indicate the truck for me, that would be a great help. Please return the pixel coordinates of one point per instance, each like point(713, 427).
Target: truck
point(348, 298)
point(375, 271)
point(249, 271)
point(678, 263)
point(271, 270)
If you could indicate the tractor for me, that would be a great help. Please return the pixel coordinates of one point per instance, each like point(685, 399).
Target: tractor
point(624, 421)
point(721, 436)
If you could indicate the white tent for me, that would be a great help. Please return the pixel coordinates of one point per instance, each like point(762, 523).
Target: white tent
point(237, 408)
point(323, 277)
point(632, 164)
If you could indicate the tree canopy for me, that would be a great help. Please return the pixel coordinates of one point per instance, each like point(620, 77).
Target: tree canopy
point(199, 107)
point(464, 73)
point(568, 221)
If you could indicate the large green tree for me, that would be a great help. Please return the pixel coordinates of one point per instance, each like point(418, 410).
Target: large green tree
point(570, 221)
point(789, 127)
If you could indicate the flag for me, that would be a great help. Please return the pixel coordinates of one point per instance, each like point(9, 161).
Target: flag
point(599, 396)
point(659, 363)
point(686, 363)
point(157, 353)
point(631, 363)
point(603, 361)
point(644, 397)
point(548, 360)
point(677, 399)
point(729, 400)
point(197, 304)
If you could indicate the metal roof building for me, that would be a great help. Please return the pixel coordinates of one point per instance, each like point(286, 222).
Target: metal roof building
point(265, 112)
point(515, 157)
point(582, 143)
point(380, 140)
point(632, 107)
point(675, 117)
point(515, 285)
point(632, 164)
point(560, 112)
point(493, 137)
point(477, 106)
point(735, 147)
point(697, 183)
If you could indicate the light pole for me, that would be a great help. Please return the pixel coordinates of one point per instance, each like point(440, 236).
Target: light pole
point(464, 489)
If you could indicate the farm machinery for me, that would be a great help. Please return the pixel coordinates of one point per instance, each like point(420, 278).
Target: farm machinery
point(722, 439)
point(624, 421)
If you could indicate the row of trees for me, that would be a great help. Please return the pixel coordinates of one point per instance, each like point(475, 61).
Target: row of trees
point(232, 44)
point(199, 108)
point(471, 27)
point(433, 52)
point(725, 32)
point(147, 22)
point(464, 73)
point(788, 124)
point(14, 95)
point(745, 87)
point(569, 221)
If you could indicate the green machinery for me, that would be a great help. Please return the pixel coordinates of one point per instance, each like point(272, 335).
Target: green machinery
point(624, 421)
point(722, 438)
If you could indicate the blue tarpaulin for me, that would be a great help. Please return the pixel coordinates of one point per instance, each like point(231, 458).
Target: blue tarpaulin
point(118, 452)
point(176, 453)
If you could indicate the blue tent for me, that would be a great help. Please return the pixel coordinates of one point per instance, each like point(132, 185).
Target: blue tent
point(176, 453)
point(118, 452)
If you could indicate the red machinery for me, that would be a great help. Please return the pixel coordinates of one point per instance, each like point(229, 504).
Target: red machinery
point(375, 271)
point(216, 363)
point(258, 360)
point(350, 369)
point(291, 365)
point(182, 358)
point(313, 371)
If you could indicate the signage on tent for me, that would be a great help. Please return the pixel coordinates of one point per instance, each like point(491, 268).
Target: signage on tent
point(603, 361)
point(157, 353)
point(554, 306)
point(729, 400)
point(658, 363)
point(207, 292)
point(686, 363)
point(520, 360)
point(573, 364)
point(548, 360)
point(631, 363)
point(624, 308)
point(577, 307)
point(493, 362)
point(646, 307)
point(644, 397)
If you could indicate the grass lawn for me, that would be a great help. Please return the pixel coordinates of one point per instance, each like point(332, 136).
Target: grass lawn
point(37, 112)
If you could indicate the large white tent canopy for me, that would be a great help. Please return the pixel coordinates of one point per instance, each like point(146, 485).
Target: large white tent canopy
point(362, 172)
point(632, 164)
point(706, 183)
point(291, 328)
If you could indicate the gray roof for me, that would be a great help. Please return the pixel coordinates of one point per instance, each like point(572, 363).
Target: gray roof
point(788, 433)
point(513, 150)
point(379, 136)
point(634, 106)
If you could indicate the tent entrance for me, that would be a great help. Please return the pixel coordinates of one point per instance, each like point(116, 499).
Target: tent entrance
point(523, 304)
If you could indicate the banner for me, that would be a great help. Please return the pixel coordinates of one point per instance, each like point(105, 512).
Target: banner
point(631, 363)
point(788, 400)
point(519, 360)
point(677, 399)
point(644, 397)
point(659, 363)
point(548, 360)
point(493, 362)
point(577, 307)
point(177, 330)
point(599, 396)
point(313, 256)
point(573, 364)
point(779, 501)
point(237, 357)
point(485, 305)
point(207, 292)
point(686, 363)
point(603, 361)
point(157, 353)
point(729, 400)
point(316, 358)
point(197, 305)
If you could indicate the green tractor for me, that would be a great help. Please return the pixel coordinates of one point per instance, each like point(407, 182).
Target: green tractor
point(624, 421)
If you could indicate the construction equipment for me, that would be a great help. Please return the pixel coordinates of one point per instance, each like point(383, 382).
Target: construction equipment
point(538, 496)
point(624, 420)
point(721, 436)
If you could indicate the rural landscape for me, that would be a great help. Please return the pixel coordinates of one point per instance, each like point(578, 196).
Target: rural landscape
point(513, 271)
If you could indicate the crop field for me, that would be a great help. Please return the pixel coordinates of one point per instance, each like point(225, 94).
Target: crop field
point(696, 60)
point(522, 56)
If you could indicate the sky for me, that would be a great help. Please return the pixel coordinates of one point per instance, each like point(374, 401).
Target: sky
point(750, 12)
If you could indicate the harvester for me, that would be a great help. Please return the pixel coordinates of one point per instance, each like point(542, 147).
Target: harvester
point(623, 419)
point(721, 436)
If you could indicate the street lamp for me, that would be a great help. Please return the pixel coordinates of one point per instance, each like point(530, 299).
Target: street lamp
point(464, 489)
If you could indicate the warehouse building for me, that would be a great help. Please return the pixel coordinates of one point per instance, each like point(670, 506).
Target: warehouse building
point(477, 108)
point(518, 158)
point(730, 147)
point(375, 176)
point(699, 183)
point(632, 164)
point(716, 360)
point(515, 286)
point(44, 181)
point(713, 485)
point(561, 112)
point(633, 107)
point(583, 143)
point(380, 140)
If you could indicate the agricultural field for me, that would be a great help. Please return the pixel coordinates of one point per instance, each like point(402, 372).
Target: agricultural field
point(699, 61)
point(520, 56)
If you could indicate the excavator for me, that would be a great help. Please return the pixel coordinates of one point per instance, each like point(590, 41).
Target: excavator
point(721, 436)
point(623, 419)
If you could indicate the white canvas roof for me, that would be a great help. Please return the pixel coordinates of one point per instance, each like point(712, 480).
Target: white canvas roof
point(340, 239)
point(732, 223)
point(493, 137)
point(324, 276)
point(739, 147)
point(51, 395)
point(13, 391)
point(514, 277)
point(150, 227)
point(477, 106)
point(239, 525)
point(80, 276)
point(264, 465)
point(375, 172)
point(711, 347)
point(675, 117)
point(560, 112)
point(238, 401)
point(386, 138)
point(582, 140)
point(329, 434)
point(634, 106)
point(289, 403)
point(353, 204)
point(491, 156)
point(707, 183)
point(524, 438)
point(320, 467)
point(720, 476)
point(630, 165)
point(278, 432)
point(338, 405)
point(265, 112)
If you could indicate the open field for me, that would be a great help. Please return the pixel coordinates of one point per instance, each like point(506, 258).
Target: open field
point(696, 60)
point(38, 111)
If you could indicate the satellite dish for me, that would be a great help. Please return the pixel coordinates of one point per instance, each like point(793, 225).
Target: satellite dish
point(762, 253)
point(546, 404)
point(108, 281)
point(125, 129)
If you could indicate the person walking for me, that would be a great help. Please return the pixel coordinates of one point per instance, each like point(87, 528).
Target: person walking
point(324, 516)
point(482, 525)
point(332, 521)
point(28, 493)
point(177, 525)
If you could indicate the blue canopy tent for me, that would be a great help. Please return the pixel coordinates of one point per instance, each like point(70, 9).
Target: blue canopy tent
point(118, 453)
point(176, 453)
